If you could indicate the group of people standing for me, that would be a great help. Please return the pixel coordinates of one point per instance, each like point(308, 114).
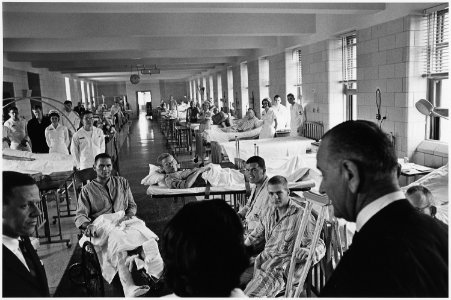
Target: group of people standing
point(56, 133)
point(41, 134)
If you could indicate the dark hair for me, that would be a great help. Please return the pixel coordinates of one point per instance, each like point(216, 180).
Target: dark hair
point(13, 108)
point(290, 95)
point(36, 107)
point(258, 160)
point(277, 96)
point(162, 156)
point(278, 179)
point(12, 180)
point(423, 190)
point(67, 102)
point(87, 112)
point(267, 100)
point(203, 250)
point(101, 156)
point(364, 143)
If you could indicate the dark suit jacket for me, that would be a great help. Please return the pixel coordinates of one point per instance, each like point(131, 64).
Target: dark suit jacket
point(17, 280)
point(397, 253)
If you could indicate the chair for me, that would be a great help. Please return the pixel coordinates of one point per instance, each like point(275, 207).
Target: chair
point(82, 177)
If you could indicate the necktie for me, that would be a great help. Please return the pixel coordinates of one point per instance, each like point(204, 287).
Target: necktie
point(28, 259)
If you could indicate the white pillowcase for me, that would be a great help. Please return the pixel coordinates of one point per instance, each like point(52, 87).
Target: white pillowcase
point(155, 176)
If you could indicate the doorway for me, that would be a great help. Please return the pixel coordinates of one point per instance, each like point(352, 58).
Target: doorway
point(144, 97)
point(35, 86)
point(8, 92)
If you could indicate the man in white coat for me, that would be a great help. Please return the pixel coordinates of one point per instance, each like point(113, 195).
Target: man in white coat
point(281, 112)
point(297, 116)
point(73, 117)
point(87, 142)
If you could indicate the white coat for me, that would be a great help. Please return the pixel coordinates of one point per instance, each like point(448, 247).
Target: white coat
point(86, 145)
point(16, 131)
point(57, 139)
point(297, 119)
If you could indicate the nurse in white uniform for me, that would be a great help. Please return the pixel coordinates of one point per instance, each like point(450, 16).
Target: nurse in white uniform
point(269, 120)
point(57, 135)
point(87, 142)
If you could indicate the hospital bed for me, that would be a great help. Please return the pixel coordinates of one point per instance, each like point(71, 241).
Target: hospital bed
point(51, 172)
point(437, 182)
point(266, 148)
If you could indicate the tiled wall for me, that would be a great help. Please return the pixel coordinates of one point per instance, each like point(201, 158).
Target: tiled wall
point(387, 58)
point(277, 76)
point(432, 154)
point(52, 86)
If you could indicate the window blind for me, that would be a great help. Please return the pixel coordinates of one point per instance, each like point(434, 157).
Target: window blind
point(437, 41)
point(299, 67)
point(349, 52)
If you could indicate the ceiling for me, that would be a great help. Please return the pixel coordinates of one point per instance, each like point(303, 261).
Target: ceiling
point(107, 41)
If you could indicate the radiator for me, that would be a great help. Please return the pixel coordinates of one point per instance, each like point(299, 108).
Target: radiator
point(313, 130)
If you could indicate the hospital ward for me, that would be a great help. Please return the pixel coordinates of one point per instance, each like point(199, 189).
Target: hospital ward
point(225, 149)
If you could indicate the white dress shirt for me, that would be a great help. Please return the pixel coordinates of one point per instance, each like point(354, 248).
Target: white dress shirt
point(374, 207)
point(13, 245)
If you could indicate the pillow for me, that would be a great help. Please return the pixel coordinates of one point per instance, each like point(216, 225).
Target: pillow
point(155, 176)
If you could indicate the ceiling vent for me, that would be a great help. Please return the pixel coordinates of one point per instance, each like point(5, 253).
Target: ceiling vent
point(134, 78)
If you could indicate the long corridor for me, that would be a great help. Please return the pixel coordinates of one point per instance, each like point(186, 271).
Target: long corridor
point(143, 145)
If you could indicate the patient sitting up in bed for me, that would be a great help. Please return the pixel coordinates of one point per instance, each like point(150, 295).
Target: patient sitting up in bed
point(106, 214)
point(249, 122)
point(183, 179)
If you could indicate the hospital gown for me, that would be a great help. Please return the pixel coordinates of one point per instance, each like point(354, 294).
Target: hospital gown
point(273, 264)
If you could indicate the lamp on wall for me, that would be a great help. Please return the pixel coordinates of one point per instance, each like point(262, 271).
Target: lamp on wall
point(426, 108)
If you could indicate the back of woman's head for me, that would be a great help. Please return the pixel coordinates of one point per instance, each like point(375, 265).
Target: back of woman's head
point(203, 250)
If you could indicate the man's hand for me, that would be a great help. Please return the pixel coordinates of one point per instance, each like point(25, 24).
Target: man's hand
point(301, 254)
point(23, 143)
point(204, 169)
point(90, 231)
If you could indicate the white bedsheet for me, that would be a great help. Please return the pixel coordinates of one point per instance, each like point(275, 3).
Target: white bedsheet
point(157, 190)
point(269, 148)
point(43, 163)
point(218, 135)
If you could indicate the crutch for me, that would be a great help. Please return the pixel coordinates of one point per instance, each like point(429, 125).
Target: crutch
point(311, 199)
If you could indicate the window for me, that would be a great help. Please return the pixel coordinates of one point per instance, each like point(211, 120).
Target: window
point(203, 89)
point(264, 77)
point(436, 69)
point(83, 97)
point(298, 59)
point(349, 58)
point(89, 96)
point(244, 89)
point(67, 84)
point(93, 94)
point(230, 86)
point(199, 85)
point(219, 89)
point(210, 93)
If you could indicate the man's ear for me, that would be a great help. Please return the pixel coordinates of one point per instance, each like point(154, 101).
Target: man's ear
point(350, 172)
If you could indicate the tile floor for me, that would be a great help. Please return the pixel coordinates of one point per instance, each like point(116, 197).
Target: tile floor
point(141, 147)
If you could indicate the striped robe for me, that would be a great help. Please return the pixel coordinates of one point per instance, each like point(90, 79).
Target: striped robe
point(272, 265)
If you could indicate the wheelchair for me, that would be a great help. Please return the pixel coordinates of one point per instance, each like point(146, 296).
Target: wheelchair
point(88, 274)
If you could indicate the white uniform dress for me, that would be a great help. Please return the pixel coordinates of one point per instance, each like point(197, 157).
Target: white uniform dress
point(16, 132)
point(57, 139)
point(268, 130)
point(86, 145)
point(297, 119)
